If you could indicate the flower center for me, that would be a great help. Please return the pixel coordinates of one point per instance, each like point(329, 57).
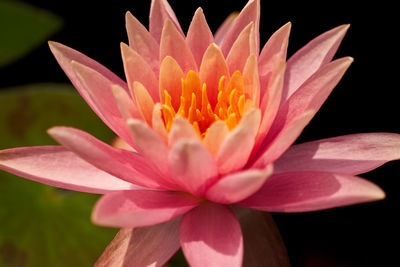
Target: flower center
point(231, 103)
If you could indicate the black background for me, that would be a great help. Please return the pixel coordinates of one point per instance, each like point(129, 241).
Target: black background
point(364, 101)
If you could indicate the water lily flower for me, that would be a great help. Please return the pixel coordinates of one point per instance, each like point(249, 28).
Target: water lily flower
point(210, 122)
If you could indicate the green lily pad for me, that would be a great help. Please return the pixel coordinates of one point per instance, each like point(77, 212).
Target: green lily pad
point(41, 225)
point(22, 28)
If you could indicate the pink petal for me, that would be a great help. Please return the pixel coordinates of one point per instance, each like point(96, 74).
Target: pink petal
point(224, 28)
point(160, 11)
point(137, 208)
point(150, 145)
point(252, 80)
point(158, 123)
point(350, 154)
point(173, 44)
point(212, 68)
point(170, 80)
point(309, 191)
point(199, 36)
point(235, 150)
point(210, 236)
point(142, 41)
point(99, 88)
point(180, 129)
point(274, 51)
point(263, 244)
point(241, 49)
point(215, 136)
point(121, 163)
point(145, 246)
point(310, 58)
point(65, 56)
point(126, 105)
point(59, 167)
point(312, 94)
point(144, 101)
point(238, 186)
point(282, 141)
point(192, 166)
point(138, 70)
point(250, 13)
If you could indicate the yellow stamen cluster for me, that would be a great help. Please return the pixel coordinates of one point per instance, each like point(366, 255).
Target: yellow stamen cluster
point(230, 106)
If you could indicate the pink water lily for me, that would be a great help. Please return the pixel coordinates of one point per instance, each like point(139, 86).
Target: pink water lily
point(210, 123)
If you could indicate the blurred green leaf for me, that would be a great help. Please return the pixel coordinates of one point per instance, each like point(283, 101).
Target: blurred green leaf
point(22, 28)
point(41, 225)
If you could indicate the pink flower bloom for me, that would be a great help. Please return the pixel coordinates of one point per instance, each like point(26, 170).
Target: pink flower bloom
point(211, 122)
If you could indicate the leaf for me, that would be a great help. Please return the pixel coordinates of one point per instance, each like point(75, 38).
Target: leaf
point(41, 225)
point(23, 28)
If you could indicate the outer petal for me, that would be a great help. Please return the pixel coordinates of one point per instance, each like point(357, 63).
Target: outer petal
point(350, 154)
point(137, 208)
point(224, 28)
point(99, 89)
point(199, 35)
point(160, 11)
point(126, 105)
point(283, 141)
point(310, 58)
point(142, 41)
point(145, 246)
point(212, 68)
point(309, 191)
point(138, 70)
point(235, 150)
point(57, 166)
point(150, 145)
point(174, 44)
point(124, 164)
point(192, 166)
point(250, 13)
point(238, 186)
point(241, 49)
point(263, 245)
point(210, 236)
point(274, 51)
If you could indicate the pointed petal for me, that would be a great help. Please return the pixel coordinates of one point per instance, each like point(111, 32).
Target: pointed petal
point(250, 13)
point(252, 80)
point(150, 145)
point(310, 58)
point(142, 41)
point(350, 154)
point(199, 36)
point(238, 186)
point(215, 136)
point(160, 11)
point(210, 236)
point(235, 150)
point(263, 244)
point(173, 44)
point(275, 50)
point(145, 246)
point(170, 80)
point(180, 129)
point(137, 208)
point(59, 167)
point(144, 102)
point(158, 122)
point(224, 28)
point(99, 88)
point(309, 191)
point(126, 165)
point(241, 49)
point(126, 105)
point(212, 68)
point(283, 141)
point(137, 69)
point(192, 166)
